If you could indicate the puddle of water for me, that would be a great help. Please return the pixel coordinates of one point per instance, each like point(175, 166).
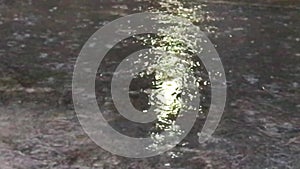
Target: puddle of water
point(259, 128)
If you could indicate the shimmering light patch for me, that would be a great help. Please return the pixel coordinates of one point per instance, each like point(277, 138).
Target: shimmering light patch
point(172, 71)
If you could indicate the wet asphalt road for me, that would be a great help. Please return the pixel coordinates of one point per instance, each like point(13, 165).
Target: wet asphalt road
point(258, 43)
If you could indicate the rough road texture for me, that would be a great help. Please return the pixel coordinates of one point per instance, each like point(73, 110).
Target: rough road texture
point(258, 43)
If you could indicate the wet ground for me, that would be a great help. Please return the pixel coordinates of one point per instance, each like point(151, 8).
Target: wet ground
point(258, 43)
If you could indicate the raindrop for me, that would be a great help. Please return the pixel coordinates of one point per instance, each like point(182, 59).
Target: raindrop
point(251, 79)
point(43, 55)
